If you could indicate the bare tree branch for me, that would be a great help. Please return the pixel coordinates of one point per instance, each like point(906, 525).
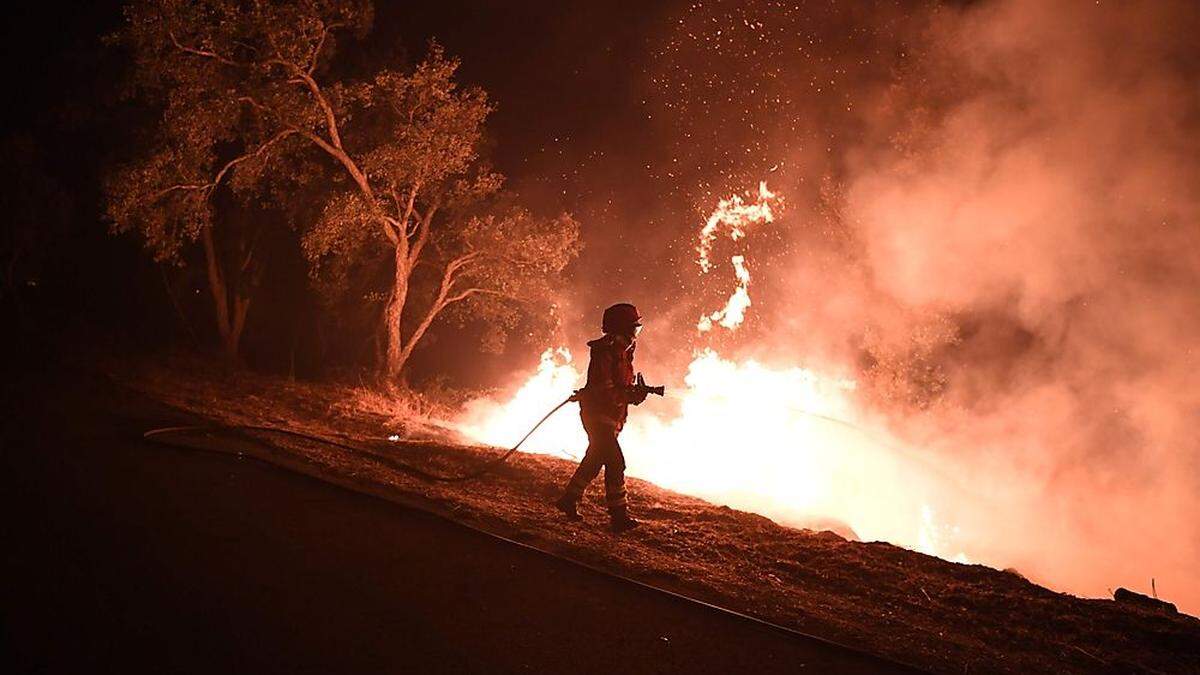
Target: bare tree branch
point(462, 261)
point(212, 185)
point(316, 54)
point(475, 291)
point(301, 76)
point(435, 308)
point(391, 227)
point(410, 207)
point(424, 226)
point(205, 53)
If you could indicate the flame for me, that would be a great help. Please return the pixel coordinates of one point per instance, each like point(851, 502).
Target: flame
point(735, 214)
point(785, 441)
point(734, 312)
point(504, 423)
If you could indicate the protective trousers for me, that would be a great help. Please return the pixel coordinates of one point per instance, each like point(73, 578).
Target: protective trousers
point(603, 451)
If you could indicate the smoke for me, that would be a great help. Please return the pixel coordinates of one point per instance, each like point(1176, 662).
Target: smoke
point(992, 226)
point(1020, 280)
point(994, 215)
point(1049, 210)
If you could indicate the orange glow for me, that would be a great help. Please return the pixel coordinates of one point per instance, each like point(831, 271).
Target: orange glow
point(785, 441)
point(779, 441)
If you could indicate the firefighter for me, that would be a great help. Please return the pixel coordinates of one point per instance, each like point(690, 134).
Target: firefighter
point(603, 404)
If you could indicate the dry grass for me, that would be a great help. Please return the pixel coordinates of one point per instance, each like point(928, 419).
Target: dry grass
point(943, 616)
point(401, 406)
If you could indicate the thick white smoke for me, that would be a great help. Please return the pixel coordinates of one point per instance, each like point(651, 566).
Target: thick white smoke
point(1045, 202)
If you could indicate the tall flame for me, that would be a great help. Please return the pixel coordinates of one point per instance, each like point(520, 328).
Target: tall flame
point(736, 215)
point(504, 423)
point(734, 312)
point(785, 442)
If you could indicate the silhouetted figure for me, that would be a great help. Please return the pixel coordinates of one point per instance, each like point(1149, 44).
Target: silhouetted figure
point(603, 404)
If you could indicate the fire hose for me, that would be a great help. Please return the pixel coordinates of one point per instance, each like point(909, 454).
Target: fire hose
point(161, 434)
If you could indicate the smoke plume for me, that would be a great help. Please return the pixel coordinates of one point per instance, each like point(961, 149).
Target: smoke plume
point(1048, 207)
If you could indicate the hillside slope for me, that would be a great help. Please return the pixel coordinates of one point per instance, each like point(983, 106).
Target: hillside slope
point(939, 615)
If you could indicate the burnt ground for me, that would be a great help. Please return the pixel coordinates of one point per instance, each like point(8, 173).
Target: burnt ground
point(882, 599)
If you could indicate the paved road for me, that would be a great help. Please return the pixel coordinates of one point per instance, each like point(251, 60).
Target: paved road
point(129, 557)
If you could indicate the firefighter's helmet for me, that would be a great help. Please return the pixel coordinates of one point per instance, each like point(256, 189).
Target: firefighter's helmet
point(620, 318)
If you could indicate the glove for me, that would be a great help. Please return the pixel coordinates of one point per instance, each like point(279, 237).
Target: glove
point(638, 391)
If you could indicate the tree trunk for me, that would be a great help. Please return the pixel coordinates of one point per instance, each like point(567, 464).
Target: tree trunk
point(397, 356)
point(229, 328)
point(179, 313)
point(419, 331)
point(233, 342)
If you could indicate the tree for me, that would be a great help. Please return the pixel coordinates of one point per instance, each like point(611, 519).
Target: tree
point(249, 101)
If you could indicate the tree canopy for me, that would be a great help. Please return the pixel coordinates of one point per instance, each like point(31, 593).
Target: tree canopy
point(387, 165)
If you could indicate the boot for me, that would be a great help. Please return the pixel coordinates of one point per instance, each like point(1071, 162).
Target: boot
point(622, 521)
point(568, 506)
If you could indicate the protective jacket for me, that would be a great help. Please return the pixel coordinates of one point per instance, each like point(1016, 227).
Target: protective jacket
point(605, 399)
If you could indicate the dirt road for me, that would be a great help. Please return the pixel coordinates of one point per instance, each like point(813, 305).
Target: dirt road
point(129, 557)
